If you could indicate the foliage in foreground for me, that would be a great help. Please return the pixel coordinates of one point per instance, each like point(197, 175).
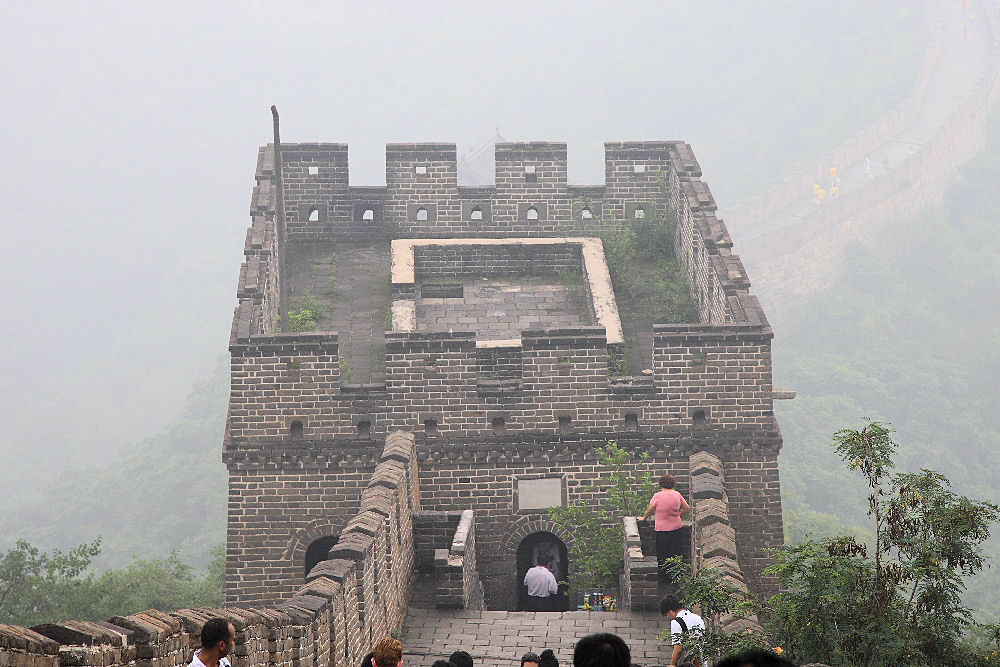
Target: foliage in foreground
point(894, 602)
point(596, 526)
point(38, 587)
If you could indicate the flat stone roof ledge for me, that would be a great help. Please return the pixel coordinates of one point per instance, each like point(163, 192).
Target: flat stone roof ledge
point(595, 271)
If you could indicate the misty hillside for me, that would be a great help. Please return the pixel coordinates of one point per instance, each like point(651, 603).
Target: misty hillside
point(908, 336)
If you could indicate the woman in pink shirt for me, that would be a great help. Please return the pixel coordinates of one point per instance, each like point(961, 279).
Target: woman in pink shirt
point(669, 506)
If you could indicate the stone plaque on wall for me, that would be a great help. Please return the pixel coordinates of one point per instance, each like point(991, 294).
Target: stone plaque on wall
point(539, 494)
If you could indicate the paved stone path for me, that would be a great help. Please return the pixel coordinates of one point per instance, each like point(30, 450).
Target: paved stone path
point(351, 280)
point(500, 638)
point(962, 65)
point(498, 309)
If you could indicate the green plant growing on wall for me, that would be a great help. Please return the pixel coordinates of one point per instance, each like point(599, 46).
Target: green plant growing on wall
point(345, 367)
point(332, 287)
point(570, 276)
point(304, 313)
point(624, 489)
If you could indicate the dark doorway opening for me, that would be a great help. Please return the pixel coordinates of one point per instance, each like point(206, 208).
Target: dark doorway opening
point(528, 551)
point(318, 550)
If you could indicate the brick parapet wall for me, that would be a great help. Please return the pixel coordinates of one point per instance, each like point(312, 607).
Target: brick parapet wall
point(424, 176)
point(641, 590)
point(456, 579)
point(329, 619)
point(721, 371)
point(714, 539)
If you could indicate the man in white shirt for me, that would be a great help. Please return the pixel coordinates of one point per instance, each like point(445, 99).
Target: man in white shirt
point(541, 585)
point(217, 638)
point(684, 624)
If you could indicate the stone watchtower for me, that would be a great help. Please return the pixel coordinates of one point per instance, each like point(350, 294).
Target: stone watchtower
point(511, 328)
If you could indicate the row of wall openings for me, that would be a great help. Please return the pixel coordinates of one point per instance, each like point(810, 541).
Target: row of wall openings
point(477, 214)
point(313, 170)
point(498, 424)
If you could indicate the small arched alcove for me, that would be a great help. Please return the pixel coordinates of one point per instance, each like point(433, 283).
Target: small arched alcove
point(531, 548)
point(318, 550)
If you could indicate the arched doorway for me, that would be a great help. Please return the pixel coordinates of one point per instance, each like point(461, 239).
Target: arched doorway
point(528, 551)
point(318, 550)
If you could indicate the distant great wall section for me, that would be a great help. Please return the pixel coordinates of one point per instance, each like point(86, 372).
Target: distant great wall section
point(793, 248)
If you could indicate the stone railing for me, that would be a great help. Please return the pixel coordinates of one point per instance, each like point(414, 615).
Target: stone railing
point(713, 538)
point(359, 594)
point(640, 589)
point(457, 584)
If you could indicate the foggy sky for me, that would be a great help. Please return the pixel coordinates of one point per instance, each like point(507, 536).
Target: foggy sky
point(131, 129)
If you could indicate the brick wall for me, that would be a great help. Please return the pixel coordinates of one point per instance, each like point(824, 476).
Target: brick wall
point(433, 262)
point(484, 417)
point(424, 176)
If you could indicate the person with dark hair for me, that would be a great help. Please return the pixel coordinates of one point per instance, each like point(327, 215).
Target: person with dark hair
point(368, 661)
point(683, 624)
point(530, 659)
point(754, 657)
point(601, 649)
point(548, 659)
point(669, 506)
point(217, 639)
point(541, 584)
point(387, 652)
point(443, 663)
point(461, 659)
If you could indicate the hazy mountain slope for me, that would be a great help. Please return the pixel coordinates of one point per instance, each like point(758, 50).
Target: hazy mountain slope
point(164, 493)
point(909, 336)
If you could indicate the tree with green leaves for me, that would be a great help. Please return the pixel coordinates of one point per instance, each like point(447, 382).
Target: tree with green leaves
point(596, 523)
point(36, 587)
point(898, 600)
point(32, 582)
point(895, 601)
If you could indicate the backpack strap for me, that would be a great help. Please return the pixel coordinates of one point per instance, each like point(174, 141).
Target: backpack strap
point(680, 622)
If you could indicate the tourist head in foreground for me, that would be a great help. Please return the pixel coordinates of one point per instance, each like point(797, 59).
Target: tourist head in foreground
point(461, 659)
point(530, 659)
point(754, 658)
point(217, 639)
point(601, 649)
point(387, 652)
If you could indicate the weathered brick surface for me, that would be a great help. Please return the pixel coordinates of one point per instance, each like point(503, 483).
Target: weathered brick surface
point(298, 437)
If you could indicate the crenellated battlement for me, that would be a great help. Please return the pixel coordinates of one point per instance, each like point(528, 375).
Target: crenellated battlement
point(484, 321)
